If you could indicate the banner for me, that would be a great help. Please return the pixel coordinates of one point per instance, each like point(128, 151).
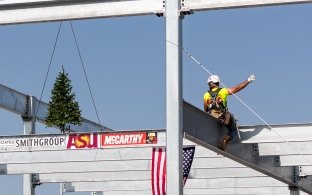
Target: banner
point(111, 139)
point(75, 141)
point(33, 143)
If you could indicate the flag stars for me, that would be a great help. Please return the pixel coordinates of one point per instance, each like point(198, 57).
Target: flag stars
point(159, 168)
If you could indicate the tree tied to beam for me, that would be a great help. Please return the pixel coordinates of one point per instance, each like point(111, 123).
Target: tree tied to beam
point(63, 109)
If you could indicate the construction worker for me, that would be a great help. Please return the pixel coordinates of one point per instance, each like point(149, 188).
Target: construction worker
point(215, 104)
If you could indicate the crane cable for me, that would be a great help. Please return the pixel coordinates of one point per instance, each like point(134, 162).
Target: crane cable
point(82, 64)
point(51, 58)
point(267, 124)
point(240, 100)
point(85, 73)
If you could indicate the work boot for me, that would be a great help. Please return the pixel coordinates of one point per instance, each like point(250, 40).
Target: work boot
point(225, 142)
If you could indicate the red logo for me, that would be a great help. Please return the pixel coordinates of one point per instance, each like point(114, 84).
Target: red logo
point(82, 141)
point(128, 138)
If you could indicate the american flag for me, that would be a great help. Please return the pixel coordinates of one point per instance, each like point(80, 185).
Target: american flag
point(159, 168)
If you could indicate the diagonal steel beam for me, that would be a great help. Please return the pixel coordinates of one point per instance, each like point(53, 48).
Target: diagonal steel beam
point(207, 131)
point(28, 106)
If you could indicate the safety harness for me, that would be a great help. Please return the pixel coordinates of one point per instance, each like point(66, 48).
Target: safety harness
point(213, 101)
point(226, 118)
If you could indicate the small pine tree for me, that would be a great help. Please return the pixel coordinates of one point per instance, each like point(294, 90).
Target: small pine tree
point(63, 109)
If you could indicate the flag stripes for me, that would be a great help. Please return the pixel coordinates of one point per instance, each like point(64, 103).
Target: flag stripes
point(159, 168)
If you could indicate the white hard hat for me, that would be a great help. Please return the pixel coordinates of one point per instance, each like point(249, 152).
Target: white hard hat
point(214, 79)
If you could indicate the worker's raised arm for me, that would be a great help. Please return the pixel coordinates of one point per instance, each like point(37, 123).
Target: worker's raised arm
point(241, 86)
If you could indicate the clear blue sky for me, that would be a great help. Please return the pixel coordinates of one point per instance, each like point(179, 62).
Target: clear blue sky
point(125, 63)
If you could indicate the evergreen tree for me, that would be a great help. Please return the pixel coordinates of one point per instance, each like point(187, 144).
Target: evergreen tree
point(63, 109)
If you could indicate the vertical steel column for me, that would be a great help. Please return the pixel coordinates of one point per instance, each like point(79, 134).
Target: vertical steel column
point(294, 191)
point(174, 97)
point(29, 128)
point(61, 188)
point(28, 188)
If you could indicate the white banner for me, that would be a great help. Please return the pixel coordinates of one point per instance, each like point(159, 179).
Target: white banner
point(32, 143)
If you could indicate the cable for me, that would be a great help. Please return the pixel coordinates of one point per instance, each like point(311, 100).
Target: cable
point(85, 73)
point(51, 58)
point(267, 124)
point(200, 64)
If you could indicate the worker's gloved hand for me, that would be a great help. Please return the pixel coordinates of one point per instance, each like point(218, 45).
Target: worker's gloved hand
point(219, 100)
point(251, 78)
point(208, 101)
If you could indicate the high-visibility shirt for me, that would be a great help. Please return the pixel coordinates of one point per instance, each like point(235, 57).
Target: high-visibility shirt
point(223, 93)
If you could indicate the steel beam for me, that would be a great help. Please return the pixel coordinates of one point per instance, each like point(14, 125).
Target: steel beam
point(239, 191)
point(195, 173)
point(26, 11)
point(301, 160)
point(190, 184)
point(220, 191)
point(95, 176)
point(305, 181)
point(28, 106)
point(277, 134)
point(202, 5)
point(207, 131)
point(143, 185)
point(305, 170)
point(74, 167)
point(103, 166)
point(222, 182)
point(14, 12)
point(287, 148)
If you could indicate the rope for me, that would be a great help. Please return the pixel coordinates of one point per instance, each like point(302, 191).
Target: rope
point(51, 58)
point(267, 124)
point(85, 73)
point(241, 101)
